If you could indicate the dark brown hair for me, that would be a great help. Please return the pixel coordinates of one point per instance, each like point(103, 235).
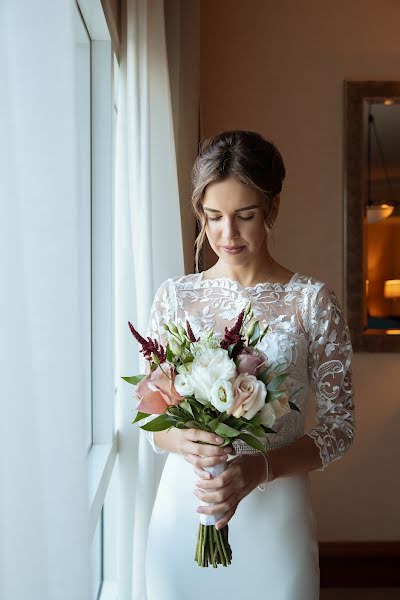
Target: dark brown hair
point(244, 155)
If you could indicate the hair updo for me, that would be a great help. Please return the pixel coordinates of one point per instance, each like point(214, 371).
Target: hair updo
point(244, 155)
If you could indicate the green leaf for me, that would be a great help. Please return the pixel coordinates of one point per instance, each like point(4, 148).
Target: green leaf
point(219, 419)
point(140, 416)
point(252, 441)
point(278, 366)
point(224, 430)
point(230, 350)
point(294, 406)
point(159, 423)
point(255, 429)
point(264, 332)
point(186, 406)
point(268, 429)
point(263, 376)
point(256, 334)
point(277, 381)
point(256, 420)
point(170, 355)
point(134, 380)
point(271, 396)
point(194, 425)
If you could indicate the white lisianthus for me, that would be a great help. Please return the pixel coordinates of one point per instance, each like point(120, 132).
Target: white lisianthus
point(182, 380)
point(222, 395)
point(208, 366)
point(273, 410)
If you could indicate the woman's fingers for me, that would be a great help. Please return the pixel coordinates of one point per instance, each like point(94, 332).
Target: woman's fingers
point(198, 435)
point(221, 507)
point(213, 483)
point(207, 443)
point(204, 461)
point(214, 496)
point(226, 518)
point(206, 450)
point(202, 473)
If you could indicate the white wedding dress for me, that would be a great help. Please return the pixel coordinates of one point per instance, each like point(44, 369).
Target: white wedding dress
point(273, 533)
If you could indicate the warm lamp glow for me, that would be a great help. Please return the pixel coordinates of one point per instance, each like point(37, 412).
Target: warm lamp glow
point(392, 331)
point(388, 102)
point(378, 212)
point(392, 288)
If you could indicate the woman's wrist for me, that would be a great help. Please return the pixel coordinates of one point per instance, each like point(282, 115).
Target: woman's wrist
point(261, 472)
point(169, 440)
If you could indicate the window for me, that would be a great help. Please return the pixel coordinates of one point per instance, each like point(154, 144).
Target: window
point(96, 108)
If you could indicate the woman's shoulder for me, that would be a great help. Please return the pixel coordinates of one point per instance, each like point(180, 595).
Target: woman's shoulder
point(310, 281)
point(180, 279)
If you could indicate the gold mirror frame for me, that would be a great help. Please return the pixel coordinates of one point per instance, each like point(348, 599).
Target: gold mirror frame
point(355, 197)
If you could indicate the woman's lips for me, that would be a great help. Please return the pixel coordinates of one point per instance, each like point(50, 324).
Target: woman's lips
point(233, 249)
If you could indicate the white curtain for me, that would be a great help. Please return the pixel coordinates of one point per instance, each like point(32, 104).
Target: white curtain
point(44, 540)
point(148, 242)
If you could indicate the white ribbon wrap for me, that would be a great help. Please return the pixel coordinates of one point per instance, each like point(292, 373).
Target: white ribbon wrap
point(214, 472)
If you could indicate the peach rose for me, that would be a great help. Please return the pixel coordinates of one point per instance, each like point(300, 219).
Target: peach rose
point(276, 409)
point(249, 393)
point(157, 391)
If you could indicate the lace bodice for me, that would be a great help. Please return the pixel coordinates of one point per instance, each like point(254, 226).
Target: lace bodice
point(307, 331)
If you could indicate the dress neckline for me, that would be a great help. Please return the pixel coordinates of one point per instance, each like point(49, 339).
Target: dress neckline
point(235, 283)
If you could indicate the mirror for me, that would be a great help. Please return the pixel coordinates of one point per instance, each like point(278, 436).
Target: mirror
point(372, 209)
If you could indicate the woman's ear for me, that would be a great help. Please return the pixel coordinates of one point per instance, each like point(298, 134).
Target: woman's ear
point(274, 209)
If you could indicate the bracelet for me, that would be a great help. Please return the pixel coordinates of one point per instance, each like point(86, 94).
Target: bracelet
point(262, 486)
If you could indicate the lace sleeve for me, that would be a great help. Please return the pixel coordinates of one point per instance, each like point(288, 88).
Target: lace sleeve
point(330, 375)
point(159, 314)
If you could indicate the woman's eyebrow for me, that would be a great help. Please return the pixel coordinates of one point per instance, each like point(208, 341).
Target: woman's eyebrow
point(238, 210)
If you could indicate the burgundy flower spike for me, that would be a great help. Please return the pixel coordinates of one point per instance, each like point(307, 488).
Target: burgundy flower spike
point(233, 336)
point(190, 333)
point(149, 346)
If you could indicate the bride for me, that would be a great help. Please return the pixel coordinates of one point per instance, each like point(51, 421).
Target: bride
point(237, 180)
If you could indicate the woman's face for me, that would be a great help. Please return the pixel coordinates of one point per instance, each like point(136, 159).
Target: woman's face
point(234, 217)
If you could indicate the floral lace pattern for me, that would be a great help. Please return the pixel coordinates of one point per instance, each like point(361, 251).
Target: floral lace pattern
point(308, 336)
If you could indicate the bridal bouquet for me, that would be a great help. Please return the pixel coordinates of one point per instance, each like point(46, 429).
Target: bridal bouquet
point(221, 386)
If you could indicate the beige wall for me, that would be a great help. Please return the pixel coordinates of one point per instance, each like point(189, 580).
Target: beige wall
point(182, 18)
point(278, 67)
point(112, 11)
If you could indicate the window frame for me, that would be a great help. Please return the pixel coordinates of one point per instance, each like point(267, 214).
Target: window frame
point(103, 452)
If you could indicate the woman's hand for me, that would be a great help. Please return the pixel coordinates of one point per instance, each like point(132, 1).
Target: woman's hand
point(225, 491)
point(201, 448)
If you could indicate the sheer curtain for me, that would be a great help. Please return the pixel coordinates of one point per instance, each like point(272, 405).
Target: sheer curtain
point(148, 243)
point(44, 539)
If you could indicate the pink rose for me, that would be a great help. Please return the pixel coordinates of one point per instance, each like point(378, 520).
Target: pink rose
point(157, 391)
point(249, 362)
point(249, 393)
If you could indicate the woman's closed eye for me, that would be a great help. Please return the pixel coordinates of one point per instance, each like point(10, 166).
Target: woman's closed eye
point(239, 217)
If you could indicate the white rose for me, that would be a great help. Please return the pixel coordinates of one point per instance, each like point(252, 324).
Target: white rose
point(249, 393)
point(222, 395)
point(273, 410)
point(208, 366)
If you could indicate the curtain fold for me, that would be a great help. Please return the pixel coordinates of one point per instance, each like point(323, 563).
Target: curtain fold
point(44, 537)
point(148, 250)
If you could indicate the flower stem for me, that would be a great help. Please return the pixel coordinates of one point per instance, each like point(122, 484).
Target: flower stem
point(212, 547)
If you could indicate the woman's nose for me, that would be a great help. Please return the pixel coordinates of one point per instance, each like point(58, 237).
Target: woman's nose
point(230, 229)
